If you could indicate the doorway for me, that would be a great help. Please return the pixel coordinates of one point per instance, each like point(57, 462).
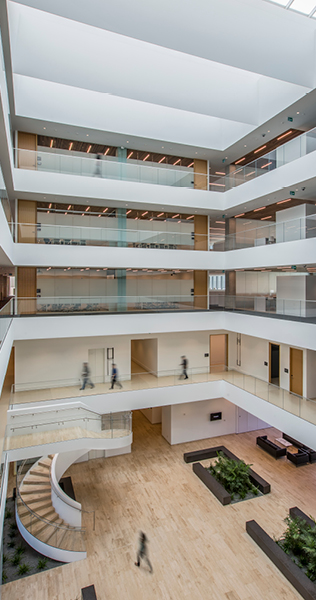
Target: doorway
point(144, 356)
point(218, 352)
point(296, 371)
point(96, 364)
point(274, 362)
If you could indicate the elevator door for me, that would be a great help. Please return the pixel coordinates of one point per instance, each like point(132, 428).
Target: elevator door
point(96, 364)
point(296, 371)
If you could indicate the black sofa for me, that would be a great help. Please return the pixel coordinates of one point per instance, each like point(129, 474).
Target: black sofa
point(311, 453)
point(300, 458)
point(270, 447)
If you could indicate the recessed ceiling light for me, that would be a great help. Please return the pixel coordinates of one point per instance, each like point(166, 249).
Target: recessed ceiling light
point(297, 113)
point(45, 127)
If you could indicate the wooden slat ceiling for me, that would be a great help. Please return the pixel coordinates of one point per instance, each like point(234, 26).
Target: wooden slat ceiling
point(267, 147)
point(272, 209)
point(110, 212)
point(77, 146)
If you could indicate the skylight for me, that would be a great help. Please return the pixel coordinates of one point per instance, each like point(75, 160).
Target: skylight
point(305, 7)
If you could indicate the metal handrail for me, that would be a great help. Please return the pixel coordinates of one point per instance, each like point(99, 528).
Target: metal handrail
point(36, 515)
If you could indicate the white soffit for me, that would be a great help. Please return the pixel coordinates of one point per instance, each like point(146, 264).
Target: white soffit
point(305, 7)
point(50, 48)
point(254, 35)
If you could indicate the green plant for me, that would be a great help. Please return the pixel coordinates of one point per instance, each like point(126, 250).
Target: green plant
point(299, 541)
point(4, 558)
point(23, 569)
point(20, 549)
point(12, 534)
point(233, 475)
point(8, 513)
point(42, 563)
point(13, 527)
point(16, 559)
point(11, 544)
point(4, 577)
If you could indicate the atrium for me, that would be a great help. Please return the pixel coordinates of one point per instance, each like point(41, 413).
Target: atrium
point(158, 296)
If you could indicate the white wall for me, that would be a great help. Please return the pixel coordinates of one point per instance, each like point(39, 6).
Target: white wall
point(154, 415)
point(145, 354)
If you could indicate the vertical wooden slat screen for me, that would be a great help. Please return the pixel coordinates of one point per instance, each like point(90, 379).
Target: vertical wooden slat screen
point(201, 289)
point(200, 232)
point(200, 174)
point(26, 288)
point(27, 218)
point(27, 145)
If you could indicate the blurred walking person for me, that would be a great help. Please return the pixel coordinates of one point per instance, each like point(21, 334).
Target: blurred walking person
point(142, 552)
point(86, 376)
point(98, 165)
point(114, 377)
point(184, 365)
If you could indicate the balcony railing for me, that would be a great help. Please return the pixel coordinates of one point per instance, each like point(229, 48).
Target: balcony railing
point(71, 235)
point(50, 390)
point(269, 304)
point(107, 167)
point(59, 426)
point(288, 152)
point(109, 304)
point(6, 313)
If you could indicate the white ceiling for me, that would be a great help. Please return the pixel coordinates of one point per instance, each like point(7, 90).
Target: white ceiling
point(305, 7)
point(68, 72)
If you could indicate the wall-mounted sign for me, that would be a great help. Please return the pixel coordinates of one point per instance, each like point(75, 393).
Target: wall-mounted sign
point(215, 416)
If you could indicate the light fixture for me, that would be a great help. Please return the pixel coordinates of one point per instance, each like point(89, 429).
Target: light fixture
point(219, 173)
point(51, 143)
point(129, 211)
point(261, 208)
point(264, 218)
point(89, 148)
point(191, 164)
point(44, 127)
point(266, 165)
point(240, 160)
point(282, 201)
point(248, 174)
point(241, 215)
point(50, 205)
point(145, 213)
point(130, 154)
point(88, 207)
point(191, 217)
point(220, 222)
point(160, 161)
point(148, 155)
point(259, 149)
point(177, 162)
point(106, 152)
point(284, 135)
point(69, 207)
point(105, 210)
point(160, 215)
point(71, 145)
point(218, 184)
point(174, 216)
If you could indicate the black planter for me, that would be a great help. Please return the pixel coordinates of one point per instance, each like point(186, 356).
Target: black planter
point(282, 561)
point(211, 483)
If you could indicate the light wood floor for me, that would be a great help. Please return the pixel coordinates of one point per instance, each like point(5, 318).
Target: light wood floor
point(199, 549)
point(141, 379)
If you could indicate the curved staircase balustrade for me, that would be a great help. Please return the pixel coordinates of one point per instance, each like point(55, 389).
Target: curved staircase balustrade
point(37, 520)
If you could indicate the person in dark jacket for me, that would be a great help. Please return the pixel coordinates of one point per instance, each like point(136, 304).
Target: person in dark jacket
point(142, 551)
point(86, 376)
point(114, 377)
point(184, 365)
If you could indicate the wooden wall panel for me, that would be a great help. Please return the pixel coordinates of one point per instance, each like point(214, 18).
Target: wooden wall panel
point(200, 180)
point(296, 371)
point(201, 289)
point(200, 232)
point(27, 219)
point(27, 142)
point(26, 288)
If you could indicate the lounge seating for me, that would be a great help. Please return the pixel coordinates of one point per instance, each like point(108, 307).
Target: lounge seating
point(270, 447)
point(311, 453)
point(300, 458)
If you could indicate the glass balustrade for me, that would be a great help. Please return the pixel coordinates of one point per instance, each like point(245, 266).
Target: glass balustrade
point(288, 152)
point(75, 163)
point(269, 304)
point(109, 304)
point(68, 235)
point(108, 167)
point(49, 427)
point(6, 313)
point(120, 424)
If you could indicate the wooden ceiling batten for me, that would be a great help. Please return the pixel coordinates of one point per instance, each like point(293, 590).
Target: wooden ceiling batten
point(288, 135)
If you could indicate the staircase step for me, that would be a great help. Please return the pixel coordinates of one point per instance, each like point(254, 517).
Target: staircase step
point(29, 492)
point(44, 465)
point(29, 481)
point(53, 532)
point(38, 473)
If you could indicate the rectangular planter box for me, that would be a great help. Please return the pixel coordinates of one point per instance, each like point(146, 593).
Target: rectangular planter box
point(282, 561)
point(258, 481)
point(214, 486)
